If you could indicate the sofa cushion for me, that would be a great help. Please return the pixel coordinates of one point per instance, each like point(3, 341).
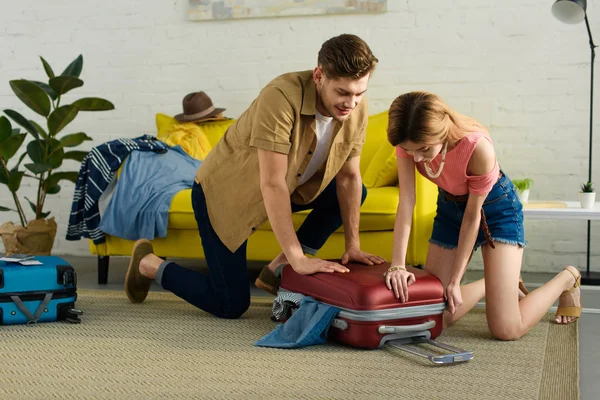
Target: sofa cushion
point(376, 214)
point(164, 123)
point(214, 130)
point(383, 169)
point(376, 134)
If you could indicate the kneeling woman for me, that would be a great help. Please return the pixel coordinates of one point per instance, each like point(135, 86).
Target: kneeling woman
point(477, 206)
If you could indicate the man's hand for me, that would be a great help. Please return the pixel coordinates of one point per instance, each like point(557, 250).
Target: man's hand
point(453, 297)
point(308, 266)
point(361, 257)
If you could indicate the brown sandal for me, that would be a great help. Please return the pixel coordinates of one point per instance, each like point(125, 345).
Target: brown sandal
point(522, 287)
point(571, 311)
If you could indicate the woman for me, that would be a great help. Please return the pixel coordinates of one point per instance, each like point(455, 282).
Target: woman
point(477, 206)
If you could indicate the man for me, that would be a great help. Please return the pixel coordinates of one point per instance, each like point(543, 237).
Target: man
point(296, 147)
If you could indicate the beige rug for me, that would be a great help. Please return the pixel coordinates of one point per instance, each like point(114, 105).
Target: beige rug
point(166, 348)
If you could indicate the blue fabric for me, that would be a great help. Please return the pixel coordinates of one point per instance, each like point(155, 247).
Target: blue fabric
point(97, 170)
point(503, 213)
point(308, 326)
point(140, 205)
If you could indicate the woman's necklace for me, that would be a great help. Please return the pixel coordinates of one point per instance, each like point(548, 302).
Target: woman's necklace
point(439, 171)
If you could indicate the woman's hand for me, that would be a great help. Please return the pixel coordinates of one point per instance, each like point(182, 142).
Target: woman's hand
point(399, 281)
point(453, 297)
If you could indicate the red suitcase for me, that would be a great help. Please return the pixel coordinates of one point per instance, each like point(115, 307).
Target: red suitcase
point(371, 317)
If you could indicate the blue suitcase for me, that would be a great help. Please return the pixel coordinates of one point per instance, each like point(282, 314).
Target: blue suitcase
point(38, 293)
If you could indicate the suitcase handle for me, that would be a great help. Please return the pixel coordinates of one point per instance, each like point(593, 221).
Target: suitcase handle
point(387, 329)
point(32, 318)
point(457, 355)
point(339, 324)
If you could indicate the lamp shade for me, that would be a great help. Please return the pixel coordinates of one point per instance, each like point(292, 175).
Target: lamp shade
point(569, 11)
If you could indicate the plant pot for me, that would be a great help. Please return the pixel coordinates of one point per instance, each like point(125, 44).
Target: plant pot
point(587, 199)
point(36, 239)
point(524, 196)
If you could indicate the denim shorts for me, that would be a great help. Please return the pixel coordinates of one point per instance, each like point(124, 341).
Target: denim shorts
point(503, 212)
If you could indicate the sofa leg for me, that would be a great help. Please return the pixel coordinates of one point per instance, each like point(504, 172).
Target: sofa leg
point(103, 269)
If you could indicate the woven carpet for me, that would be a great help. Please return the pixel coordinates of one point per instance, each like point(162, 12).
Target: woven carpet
point(165, 348)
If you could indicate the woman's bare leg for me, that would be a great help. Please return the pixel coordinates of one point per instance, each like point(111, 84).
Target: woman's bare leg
point(440, 262)
point(508, 318)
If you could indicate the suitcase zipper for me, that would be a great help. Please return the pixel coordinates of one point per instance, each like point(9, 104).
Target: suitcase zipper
point(390, 314)
point(38, 295)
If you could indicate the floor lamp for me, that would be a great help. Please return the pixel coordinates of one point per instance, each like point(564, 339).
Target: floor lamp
point(573, 12)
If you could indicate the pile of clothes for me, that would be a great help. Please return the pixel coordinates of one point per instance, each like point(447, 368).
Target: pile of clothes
point(150, 172)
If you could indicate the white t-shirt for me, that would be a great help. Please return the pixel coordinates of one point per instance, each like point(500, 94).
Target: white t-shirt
point(324, 133)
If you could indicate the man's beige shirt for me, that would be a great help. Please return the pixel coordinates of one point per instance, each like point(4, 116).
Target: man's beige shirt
point(280, 119)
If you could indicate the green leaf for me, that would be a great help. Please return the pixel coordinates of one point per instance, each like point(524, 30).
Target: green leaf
point(74, 69)
point(5, 128)
point(46, 155)
point(14, 180)
point(32, 95)
point(63, 84)
point(2, 208)
point(31, 204)
point(11, 145)
point(21, 120)
point(53, 189)
point(21, 159)
point(93, 104)
point(55, 153)
point(60, 118)
point(74, 139)
point(37, 151)
point(4, 176)
point(38, 168)
point(39, 129)
point(75, 155)
point(47, 89)
point(47, 68)
point(56, 177)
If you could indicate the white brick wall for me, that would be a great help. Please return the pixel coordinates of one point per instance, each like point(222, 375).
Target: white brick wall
point(510, 64)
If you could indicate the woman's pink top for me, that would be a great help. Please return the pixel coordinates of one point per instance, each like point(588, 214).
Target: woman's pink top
point(454, 178)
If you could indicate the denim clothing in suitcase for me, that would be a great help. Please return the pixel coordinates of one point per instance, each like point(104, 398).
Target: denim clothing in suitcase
point(38, 293)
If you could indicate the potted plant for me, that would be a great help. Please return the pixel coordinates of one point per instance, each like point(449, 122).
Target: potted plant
point(587, 196)
point(523, 186)
point(43, 155)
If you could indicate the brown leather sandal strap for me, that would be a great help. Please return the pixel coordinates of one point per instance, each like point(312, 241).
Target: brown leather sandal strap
point(568, 311)
point(486, 230)
point(522, 287)
point(577, 279)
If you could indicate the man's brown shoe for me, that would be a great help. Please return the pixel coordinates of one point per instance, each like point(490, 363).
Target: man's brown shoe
point(137, 286)
point(267, 281)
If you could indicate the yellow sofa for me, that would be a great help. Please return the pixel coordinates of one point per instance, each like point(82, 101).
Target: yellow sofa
point(379, 171)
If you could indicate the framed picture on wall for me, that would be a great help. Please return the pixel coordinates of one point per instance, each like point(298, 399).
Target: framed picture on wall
point(206, 10)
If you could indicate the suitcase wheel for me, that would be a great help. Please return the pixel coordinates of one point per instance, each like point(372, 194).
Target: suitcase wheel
point(72, 316)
